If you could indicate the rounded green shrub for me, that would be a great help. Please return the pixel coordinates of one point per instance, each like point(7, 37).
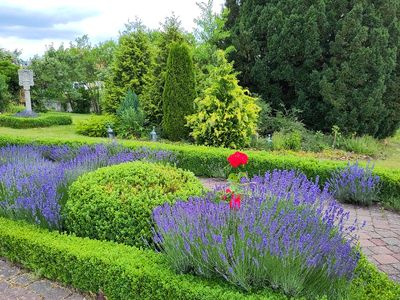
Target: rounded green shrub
point(42, 120)
point(96, 126)
point(115, 203)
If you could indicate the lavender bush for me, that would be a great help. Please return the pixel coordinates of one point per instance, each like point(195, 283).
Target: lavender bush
point(355, 184)
point(34, 179)
point(288, 234)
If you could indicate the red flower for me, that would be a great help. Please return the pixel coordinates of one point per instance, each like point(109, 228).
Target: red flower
point(228, 191)
point(238, 158)
point(235, 202)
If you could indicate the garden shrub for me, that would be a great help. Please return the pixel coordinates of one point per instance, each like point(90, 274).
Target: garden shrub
point(130, 116)
point(355, 184)
point(115, 203)
point(287, 140)
point(34, 179)
point(4, 94)
point(96, 126)
point(179, 92)
point(282, 230)
point(364, 145)
point(42, 120)
point(226, 115)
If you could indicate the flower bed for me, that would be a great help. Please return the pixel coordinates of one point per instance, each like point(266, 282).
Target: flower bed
point(211, 162)
point(42, 120)
point(34, 179)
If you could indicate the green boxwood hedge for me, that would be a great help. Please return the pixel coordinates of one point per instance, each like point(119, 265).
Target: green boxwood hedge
point(125, 272)
point(115, 203)
point(96, 126)
point(43, 120)
point(211, 162)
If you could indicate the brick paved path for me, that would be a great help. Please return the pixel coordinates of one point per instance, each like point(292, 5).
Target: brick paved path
point(18, 284)
point(379, 239)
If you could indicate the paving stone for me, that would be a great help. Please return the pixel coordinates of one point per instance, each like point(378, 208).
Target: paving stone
point(24, 279)
point(378, 242)
point(49, 290)
point(395, 249)
point(392, 241)
point(385, 259)
point(380, 250)
point(389, 269)
point(366, 243)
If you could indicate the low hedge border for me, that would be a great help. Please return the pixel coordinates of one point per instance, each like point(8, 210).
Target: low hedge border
point(43, 120)
point(119, 271)
point(124, 272)
point(211, 162)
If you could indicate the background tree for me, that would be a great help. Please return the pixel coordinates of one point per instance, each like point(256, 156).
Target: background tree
point(179, 92)
point(4, 94)
point(332, 60)
point(171, 32)
point(132, 62)
point(226, 115)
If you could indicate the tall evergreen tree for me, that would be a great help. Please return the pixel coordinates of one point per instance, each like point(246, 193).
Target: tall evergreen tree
point(333, 60)
point(171, 31)
point(179, 92)
point(132, 62)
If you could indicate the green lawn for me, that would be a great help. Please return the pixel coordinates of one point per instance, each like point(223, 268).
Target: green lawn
point(391, 146)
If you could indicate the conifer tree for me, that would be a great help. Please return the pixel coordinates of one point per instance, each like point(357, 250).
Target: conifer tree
point(179, 92)
point(132, 62)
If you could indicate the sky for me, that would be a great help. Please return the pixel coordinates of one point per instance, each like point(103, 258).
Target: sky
point(30, 25)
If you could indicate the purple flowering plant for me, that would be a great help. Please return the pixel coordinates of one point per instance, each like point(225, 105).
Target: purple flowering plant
point(355, 184)
point(34, 179)
point(288, 234)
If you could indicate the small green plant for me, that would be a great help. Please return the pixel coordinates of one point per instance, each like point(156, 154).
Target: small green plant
point(364, 145)
point(131, 116)
point(291, 140)
point(336, 136)
point(96, 126)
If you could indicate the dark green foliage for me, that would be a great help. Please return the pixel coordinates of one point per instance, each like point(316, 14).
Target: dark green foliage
point(335, 61)
point(10, 72)
point(132, 62)
point(211, 162)
point(115, 203)
point(179, 92)
point(43, 120)
point(97, 125)
point(130, 116)
point(151, 98)
point(4, 94)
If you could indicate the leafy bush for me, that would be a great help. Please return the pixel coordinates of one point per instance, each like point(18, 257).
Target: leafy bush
point(115, 203)
point(130, 116)
point(34, 179)
point(355, 184)
point(13, 109)
point(4, 94)
point(285, 120)
point(364, 145)
point(287, 140)
point(96, 125)
point(286, 233)
point(179, 92)
point(42, 120)
point(226, 115)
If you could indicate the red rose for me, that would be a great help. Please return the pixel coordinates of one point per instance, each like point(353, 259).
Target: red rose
point(235, 202)
point(238, 158)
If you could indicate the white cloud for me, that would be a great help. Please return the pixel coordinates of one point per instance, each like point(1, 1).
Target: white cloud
point(107, 19)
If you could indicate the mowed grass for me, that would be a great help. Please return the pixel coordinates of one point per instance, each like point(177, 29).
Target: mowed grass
point(390, 146)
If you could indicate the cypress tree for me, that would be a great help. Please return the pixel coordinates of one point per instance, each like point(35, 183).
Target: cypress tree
point(179, 92)
point(133, 60)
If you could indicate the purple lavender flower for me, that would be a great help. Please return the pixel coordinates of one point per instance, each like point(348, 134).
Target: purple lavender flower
point(355, 184)
point(34, 179)
point(288, 233)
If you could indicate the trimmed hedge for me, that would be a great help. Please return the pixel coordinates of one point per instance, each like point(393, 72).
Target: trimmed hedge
point(124, 272)
point(120, 271)
point(115, 203)
point(211, 162)
point(96, 126)
point(43, 120)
